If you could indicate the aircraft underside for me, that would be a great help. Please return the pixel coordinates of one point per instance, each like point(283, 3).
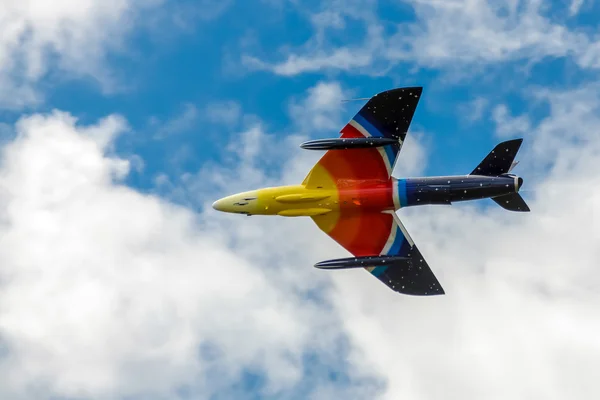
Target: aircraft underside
point(351, 195)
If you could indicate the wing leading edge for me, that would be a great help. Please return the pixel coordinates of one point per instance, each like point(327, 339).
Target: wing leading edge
point(371, 234)
point(388, 115)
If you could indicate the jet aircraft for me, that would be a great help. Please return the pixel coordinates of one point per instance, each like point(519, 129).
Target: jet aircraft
point(351, 195)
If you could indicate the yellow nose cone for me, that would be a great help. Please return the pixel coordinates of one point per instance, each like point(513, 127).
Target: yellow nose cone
point(220, 205)
point(242, 203)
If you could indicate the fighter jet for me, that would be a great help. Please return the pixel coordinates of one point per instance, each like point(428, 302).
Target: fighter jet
point(351, 195)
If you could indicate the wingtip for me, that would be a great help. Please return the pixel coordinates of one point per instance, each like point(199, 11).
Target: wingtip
point(517, 140)
point(416, 89)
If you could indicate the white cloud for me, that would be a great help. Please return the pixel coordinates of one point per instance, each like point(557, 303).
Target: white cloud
point(445, 34)
point(186, 15)
point(72, 36)
point(321, 109)
point(318, 53)
point(575, 7)
point(412, 159)
point(521, 288)
point(6, 132)
point(466, 31)
point(224, 112)
point(343, 59)
point(110, 292)
point(474, 110)
point(507, 125)
point(184, 120)
point(107, 292)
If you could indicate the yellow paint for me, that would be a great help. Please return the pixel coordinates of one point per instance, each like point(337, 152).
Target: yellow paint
point(304, 212)
point(295, 200)
point(300, 198)
point(328, 221)
point(316, 196)
point(318, 177)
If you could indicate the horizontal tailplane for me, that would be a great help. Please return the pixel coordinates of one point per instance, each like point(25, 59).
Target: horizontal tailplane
point(512, 202)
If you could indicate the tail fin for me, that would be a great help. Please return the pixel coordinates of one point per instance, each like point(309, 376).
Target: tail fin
point(512, 202)
point(500, 160)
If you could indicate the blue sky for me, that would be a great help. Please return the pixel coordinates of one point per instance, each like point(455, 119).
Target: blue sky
point(122, 283)
point(163, 71)
point(201, 66)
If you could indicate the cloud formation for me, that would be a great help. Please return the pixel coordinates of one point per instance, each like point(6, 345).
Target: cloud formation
point(107, 292)
point(521, 288)
point(321, 109)
point(40, 39)
point(444, 34)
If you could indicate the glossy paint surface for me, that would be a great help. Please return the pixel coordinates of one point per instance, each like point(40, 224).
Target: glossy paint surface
point(352, 197)
point(452, 189)
point(347, 143)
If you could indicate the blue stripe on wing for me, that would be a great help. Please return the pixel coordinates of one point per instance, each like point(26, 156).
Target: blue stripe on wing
point(412, 276)
point(390, 151)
